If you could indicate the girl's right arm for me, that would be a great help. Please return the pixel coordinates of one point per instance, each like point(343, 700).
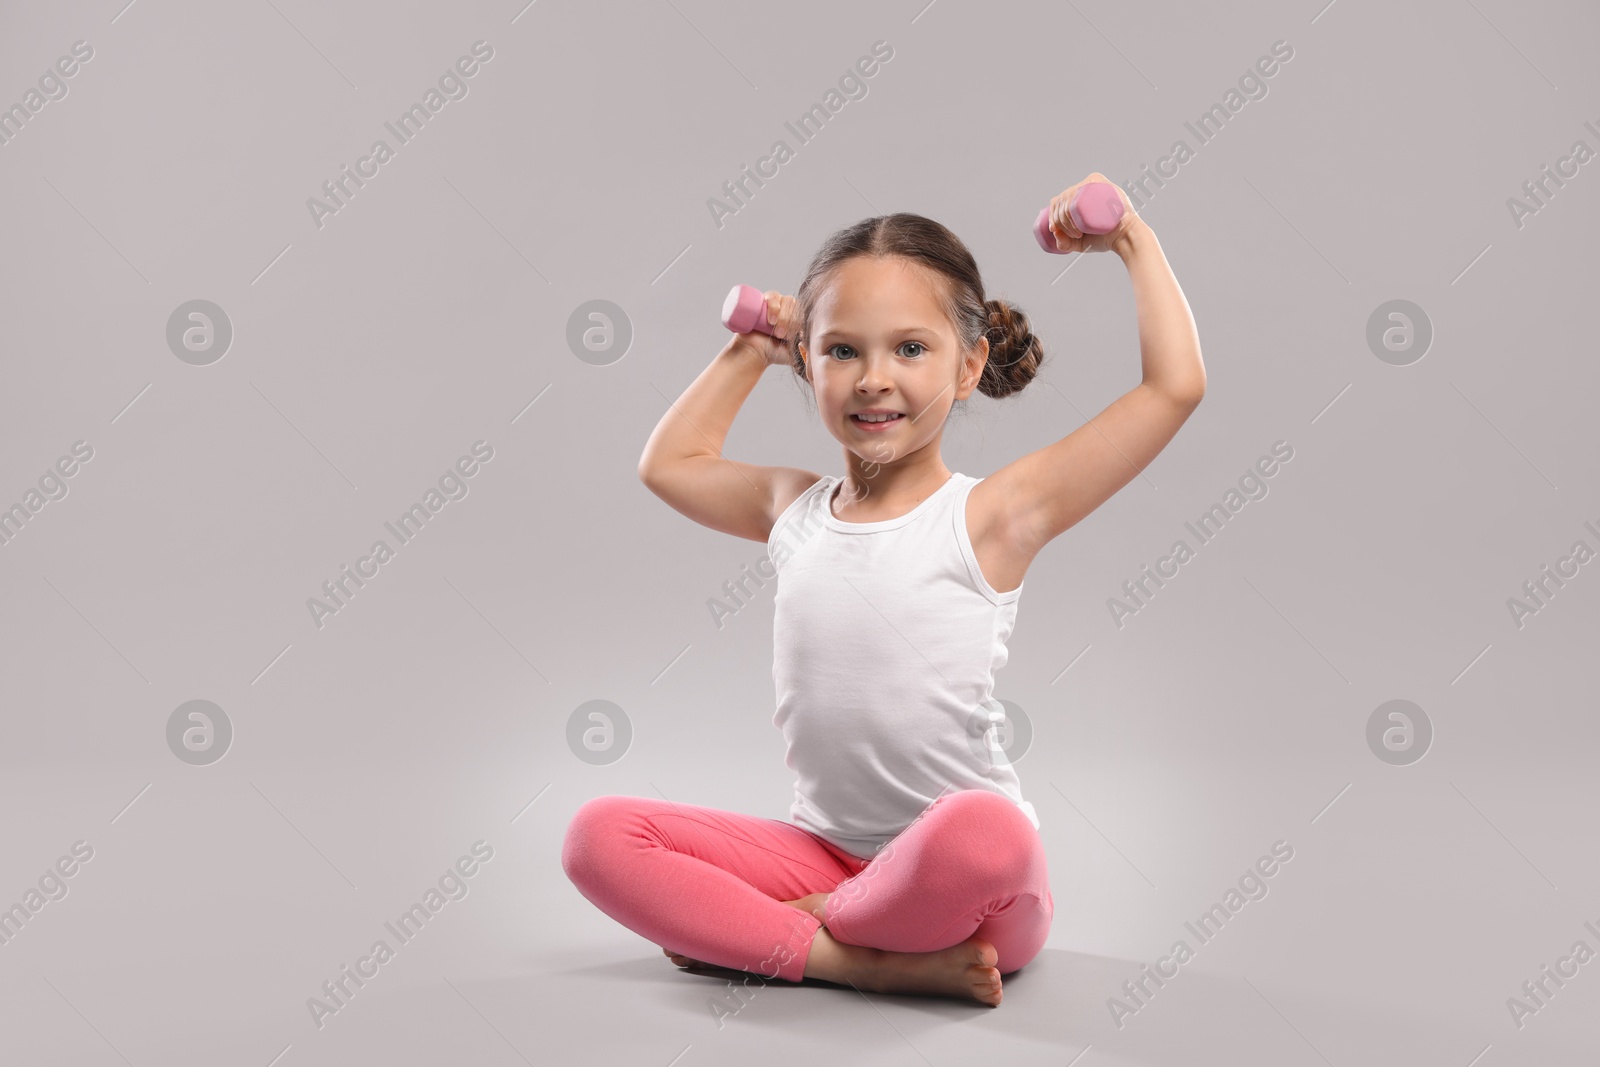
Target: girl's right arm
point(683, 462)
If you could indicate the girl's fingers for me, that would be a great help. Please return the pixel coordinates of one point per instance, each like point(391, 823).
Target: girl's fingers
point(1064, 226)
point(1062, 217)
point(1066, 215)
point(780, 313)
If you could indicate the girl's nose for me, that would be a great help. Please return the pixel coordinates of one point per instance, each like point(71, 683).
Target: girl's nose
point(873, 377)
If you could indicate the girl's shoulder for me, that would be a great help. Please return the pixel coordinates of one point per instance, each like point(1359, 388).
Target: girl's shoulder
point(789, 484)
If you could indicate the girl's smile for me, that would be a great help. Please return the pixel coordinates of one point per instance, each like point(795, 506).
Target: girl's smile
point(875, 420)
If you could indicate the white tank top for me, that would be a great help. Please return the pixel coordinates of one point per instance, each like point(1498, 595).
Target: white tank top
point(886, 637)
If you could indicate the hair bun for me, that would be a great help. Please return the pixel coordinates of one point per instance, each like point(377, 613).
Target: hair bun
point(1014, 352)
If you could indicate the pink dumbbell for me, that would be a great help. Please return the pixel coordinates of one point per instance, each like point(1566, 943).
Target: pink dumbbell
point(1095, 208)
point(746, 310)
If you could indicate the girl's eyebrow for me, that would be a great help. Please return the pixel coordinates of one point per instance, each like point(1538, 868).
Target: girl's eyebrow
point(847, 335)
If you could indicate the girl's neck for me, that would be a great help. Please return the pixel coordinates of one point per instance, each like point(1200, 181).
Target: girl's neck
point(871, 492)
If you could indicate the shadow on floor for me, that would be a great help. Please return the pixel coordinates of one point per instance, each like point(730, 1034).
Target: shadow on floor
point(1058, 997)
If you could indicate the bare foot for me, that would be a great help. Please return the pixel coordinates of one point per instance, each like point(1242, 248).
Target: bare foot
point(681, 960)
point(813, 904)
point(964, 970)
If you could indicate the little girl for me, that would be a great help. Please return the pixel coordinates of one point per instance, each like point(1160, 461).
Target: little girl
point(911, 862)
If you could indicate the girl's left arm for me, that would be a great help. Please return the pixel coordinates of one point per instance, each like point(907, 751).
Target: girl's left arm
point(1047, 492)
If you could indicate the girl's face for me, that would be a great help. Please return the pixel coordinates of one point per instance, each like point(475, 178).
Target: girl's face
point(880, 339)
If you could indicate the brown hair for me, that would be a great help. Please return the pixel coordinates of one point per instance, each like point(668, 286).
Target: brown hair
point(1014, 352)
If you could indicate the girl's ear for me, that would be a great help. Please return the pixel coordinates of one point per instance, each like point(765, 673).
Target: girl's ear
point(973, 367)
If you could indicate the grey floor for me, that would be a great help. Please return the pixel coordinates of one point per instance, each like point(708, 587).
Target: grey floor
point(216, 394)
point(1375, 944)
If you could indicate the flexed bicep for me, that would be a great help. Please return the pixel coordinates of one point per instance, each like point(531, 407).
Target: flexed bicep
point(1047, 492)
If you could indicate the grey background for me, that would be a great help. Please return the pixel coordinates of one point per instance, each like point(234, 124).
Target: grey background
point(431, 712)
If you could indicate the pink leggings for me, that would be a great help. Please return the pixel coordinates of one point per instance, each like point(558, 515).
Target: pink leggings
point(709, 884)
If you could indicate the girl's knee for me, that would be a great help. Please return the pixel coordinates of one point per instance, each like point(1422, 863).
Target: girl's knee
point(595, 823)
point(1005, 841)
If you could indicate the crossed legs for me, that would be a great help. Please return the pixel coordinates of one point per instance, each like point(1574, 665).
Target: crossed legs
point(957, 899)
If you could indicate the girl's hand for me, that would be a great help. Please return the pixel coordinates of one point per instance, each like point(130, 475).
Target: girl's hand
point(783, 315)
point(1071, 239)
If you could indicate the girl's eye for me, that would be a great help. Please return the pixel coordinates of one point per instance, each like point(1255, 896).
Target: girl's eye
point(918, 345)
